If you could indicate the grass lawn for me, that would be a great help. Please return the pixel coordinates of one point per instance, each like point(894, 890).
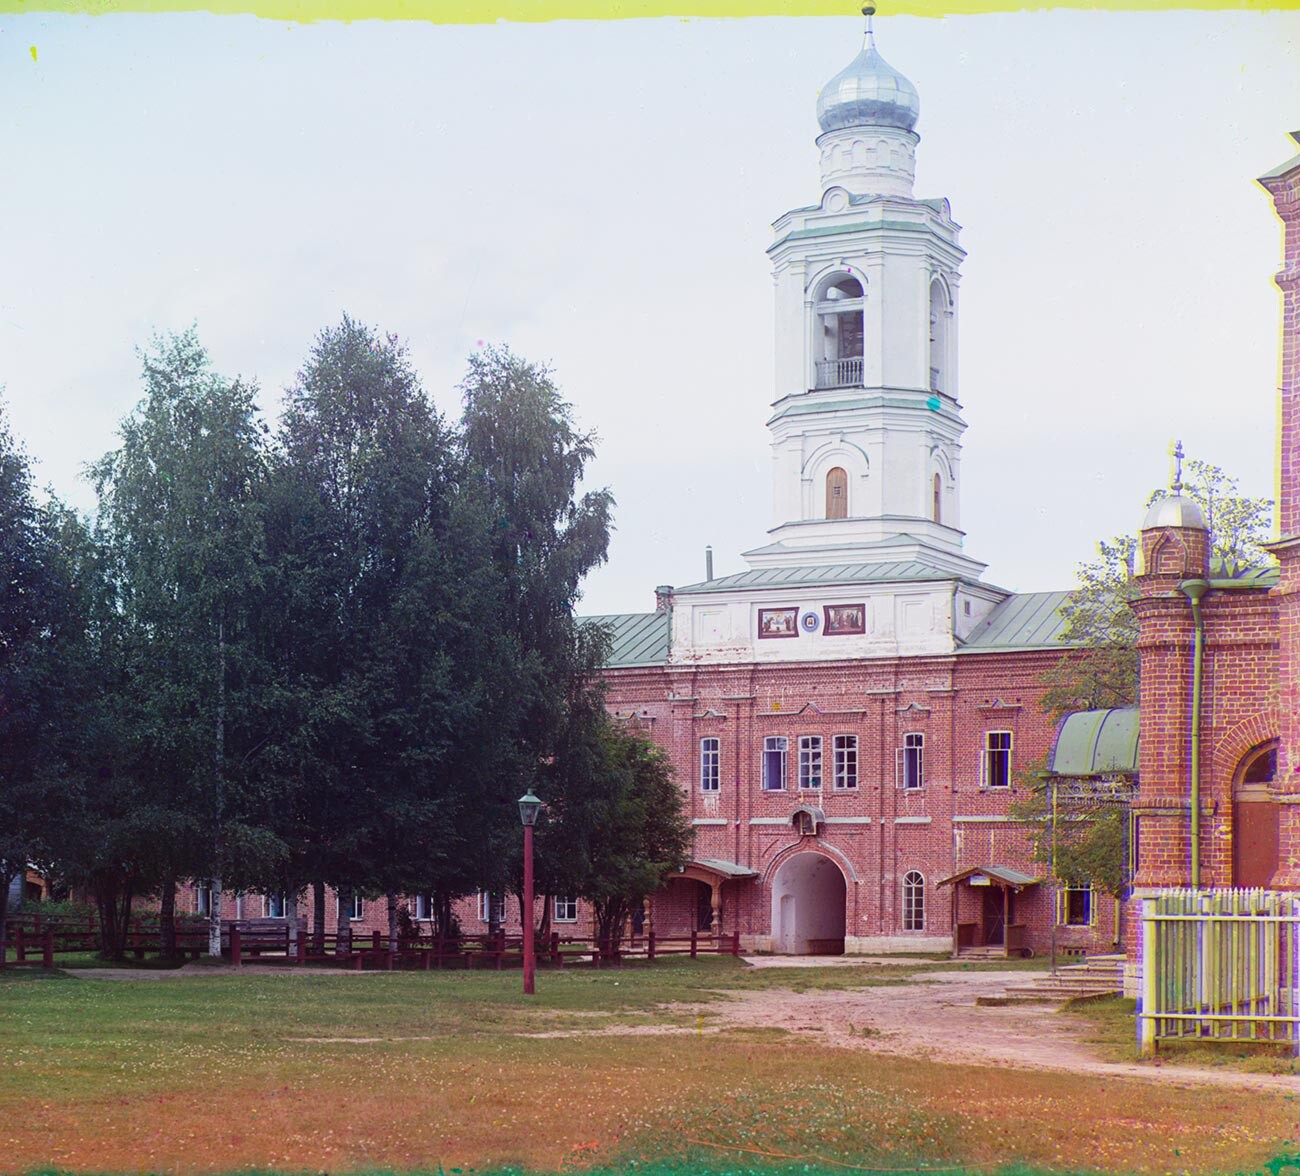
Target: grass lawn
point(411, 1071)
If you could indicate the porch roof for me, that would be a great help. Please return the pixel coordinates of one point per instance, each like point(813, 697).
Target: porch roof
point(724, 870)
point(1004, 875)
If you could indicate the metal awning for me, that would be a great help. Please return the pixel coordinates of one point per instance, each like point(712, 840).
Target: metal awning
point(716, 868)
point(1096, 743)
point(1001, 875)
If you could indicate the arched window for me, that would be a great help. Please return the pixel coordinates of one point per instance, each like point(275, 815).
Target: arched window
point(913, 901)
point(936, 507)
point(940, 306)
point(837, 494)
point(838, 333)
point(1255, 819)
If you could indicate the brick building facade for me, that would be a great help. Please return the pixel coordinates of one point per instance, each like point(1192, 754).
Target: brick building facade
point(1219, 800)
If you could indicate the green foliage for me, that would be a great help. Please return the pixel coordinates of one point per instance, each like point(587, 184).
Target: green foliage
point(1097, 614)
point(1082, 843)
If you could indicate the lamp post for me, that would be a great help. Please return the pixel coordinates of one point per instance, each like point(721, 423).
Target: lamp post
point(528, 808)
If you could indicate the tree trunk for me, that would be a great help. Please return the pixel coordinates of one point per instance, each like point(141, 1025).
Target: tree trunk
point(318, 918)
point(214, 919)
point(544, 928)
point(167, 920)
point(345, 919)
point(392, 925)
point(113, 895)
point(7, 877)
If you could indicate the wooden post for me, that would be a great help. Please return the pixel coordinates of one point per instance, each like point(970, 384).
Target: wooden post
point(47, 949)
point(735, 943)
point(300, 949)
point(20, 943)
point(236, 954)
point(1006, 922)
point(694, 936)
point(1147, 1005)
point(650, 946)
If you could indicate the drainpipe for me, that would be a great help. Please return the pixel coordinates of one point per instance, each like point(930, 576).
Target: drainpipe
point(1194, 590)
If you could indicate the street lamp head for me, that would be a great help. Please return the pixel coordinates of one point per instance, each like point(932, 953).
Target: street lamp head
point(528, 808)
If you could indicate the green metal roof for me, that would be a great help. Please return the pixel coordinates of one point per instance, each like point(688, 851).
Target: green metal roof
point(815, 577)
point(1029, 620)
point(636, 639)
point(1263, 576)
point(1096, 743)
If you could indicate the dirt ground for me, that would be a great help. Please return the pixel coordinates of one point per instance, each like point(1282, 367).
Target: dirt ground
point(934, 1016)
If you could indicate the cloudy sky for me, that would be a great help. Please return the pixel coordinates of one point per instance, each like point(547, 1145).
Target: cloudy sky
point(599, 196)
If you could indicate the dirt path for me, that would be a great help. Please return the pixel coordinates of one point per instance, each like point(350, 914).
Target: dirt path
point(934, 1015)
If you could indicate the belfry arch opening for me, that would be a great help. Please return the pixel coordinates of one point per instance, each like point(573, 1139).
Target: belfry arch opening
point(808, 906)
point(838, 333)
point(940, 312)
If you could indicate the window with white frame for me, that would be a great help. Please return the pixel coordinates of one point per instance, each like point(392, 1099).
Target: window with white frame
point(203, 900)
point(1075, 906)
point(845, 750)
point(997, 759)
point(774, 749)
point(273, 905)
point(358, 907)
point(710, 756)
point(485, 906)
point(913, 901)
point(422, 907)
point(565, 910)
point(810, 761)
point(911, 761)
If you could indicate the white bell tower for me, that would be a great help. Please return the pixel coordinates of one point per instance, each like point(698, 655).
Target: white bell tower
point(866, 428)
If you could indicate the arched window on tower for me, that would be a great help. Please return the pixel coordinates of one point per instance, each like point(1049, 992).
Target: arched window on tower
point(936, 506)
point(940, 311)
point(837, 494)
point(838, 333)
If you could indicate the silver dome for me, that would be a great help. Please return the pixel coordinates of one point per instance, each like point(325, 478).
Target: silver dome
point(868, 92)
point(1174, 511)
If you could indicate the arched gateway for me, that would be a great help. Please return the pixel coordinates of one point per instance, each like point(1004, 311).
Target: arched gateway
point(808, 902)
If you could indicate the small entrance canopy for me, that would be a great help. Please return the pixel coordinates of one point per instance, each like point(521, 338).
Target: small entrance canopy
point(995, 926)
point(992, 876)
point(716, 870)
point(713, 873)
point(1096, 743)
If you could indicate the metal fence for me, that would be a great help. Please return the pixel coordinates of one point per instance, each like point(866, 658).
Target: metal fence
point(1220, 965)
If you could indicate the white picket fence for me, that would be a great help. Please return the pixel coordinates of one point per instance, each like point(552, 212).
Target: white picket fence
point(1220, 965)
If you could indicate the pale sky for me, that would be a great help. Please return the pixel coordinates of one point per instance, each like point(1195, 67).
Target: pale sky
point(599, 196)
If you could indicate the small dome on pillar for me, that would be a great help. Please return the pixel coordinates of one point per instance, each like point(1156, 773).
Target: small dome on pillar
point(1174, 510)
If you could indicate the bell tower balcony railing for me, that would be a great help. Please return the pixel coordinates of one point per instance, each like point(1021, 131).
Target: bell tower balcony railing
point(839, 373)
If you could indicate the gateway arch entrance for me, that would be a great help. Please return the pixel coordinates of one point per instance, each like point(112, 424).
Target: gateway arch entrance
point(808, 902)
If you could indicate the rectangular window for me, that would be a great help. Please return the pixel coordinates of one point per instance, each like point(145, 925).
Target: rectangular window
point(846, 761)
point(997, 759)
point(358, 907)
point(273, 905)
point(566, 910)
point(1076, 906)
point(911, 761)
point(710, 751)
point(485, 906)
point(810, 761)
point(774, 749)
point(422, 907)
point(203, 900)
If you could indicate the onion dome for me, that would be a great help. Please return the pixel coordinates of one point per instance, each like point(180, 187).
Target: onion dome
point(868, 92)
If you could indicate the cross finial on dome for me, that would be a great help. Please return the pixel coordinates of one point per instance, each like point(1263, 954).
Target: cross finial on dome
point(869, 10)
point(1178, 467)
